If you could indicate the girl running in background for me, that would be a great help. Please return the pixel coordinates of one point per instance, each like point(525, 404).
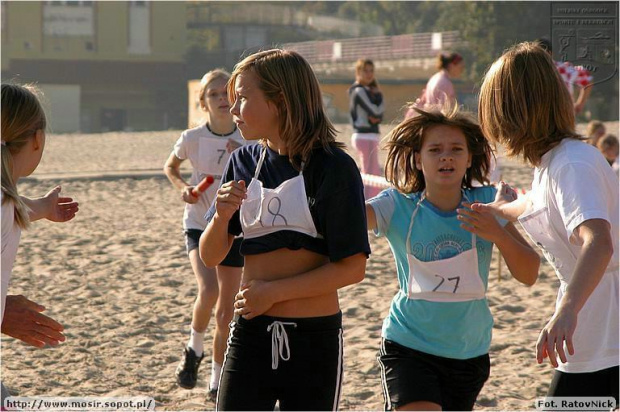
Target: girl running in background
point(436, 338)
point(23, 141)
point(366, 108)
point(298, 199)
point(571, 213)
point(208, 148)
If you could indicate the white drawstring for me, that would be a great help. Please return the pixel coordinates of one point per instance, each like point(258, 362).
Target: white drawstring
point(279, 342)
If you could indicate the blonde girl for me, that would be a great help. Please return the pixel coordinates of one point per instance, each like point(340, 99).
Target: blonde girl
point(298, 199)
point(208, 148)
point(435, 340)
point(571, 213)
point(23, 141)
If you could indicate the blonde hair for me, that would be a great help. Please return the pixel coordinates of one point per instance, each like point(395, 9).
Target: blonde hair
point(22, 116)
point(524, 103)
point(593, 126)
point(592, 130)
point(288, 82)
point(406, 139)
point(209, 77)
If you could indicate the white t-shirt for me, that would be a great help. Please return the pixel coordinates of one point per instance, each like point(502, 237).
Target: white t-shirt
point(574, 183)
point(11, 233)
point(207, 153)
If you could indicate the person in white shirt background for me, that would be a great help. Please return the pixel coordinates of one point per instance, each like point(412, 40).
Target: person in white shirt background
point(208, 148)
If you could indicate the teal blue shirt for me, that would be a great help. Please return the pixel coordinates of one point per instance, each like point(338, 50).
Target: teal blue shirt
point(458, 330)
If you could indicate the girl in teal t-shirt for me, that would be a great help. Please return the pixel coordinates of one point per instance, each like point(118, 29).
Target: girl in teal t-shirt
point(436, 337)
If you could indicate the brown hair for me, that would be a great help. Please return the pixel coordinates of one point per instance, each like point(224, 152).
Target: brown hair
point(609, 141)
point(443, 60)
point(288, 82)
point(406, 139)
point(359, 66)
point(207, 79)
point(22, 116)
point(524, 103)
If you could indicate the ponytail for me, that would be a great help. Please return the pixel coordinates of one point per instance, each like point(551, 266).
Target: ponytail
point(443, 60)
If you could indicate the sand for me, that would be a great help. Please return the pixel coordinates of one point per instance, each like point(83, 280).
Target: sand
point(119, 280)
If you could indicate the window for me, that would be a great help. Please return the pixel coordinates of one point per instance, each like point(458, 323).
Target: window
point(139, 28)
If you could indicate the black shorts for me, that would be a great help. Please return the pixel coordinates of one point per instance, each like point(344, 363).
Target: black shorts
point(297, 361)
point(233, 258)
point(409, 375)
point(591, 384)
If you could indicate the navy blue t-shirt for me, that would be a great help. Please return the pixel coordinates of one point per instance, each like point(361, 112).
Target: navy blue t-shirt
point(335, 197)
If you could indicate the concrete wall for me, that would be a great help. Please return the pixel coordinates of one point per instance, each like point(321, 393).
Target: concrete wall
point(62, 107)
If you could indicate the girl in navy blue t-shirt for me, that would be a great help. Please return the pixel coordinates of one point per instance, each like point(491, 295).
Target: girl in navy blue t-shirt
point(298, 200)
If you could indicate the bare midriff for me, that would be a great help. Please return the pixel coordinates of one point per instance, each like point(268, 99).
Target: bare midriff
point(286, 263)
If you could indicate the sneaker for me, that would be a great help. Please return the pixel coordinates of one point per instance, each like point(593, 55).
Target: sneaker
point(212, 394)
point(187, 371)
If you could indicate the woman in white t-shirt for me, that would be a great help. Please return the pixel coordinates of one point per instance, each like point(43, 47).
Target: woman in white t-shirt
point(571, 213)
point(208, 148)
point(23, 141)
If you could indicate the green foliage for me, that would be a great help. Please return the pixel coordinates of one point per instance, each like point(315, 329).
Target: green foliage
point(486, 28)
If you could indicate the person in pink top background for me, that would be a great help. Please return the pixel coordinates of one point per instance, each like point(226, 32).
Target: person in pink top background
point(439, 91)
point(439, 88)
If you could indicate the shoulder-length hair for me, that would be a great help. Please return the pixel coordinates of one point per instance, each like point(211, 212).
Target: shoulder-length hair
point(288, 82)
point(524, 103)
point(406, 139)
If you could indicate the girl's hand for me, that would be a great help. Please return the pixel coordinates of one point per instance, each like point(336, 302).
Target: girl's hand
point(232, 145)
point(57, 208)
point(229, 198)
point(253, 299)
point(482, 223)
point(23, 320)
point(504, 196)
point(558, 330)
point(188, 196)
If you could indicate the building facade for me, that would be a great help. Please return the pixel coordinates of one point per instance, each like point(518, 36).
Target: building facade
point(103, 66)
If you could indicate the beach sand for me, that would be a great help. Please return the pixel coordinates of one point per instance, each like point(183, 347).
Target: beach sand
point(118, 278)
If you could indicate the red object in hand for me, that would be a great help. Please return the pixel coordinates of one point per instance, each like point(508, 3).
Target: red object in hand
point(203, 185)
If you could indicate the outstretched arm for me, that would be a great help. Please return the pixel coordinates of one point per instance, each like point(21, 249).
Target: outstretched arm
point(507, 205)
point(51, 206)
point(584, 93)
